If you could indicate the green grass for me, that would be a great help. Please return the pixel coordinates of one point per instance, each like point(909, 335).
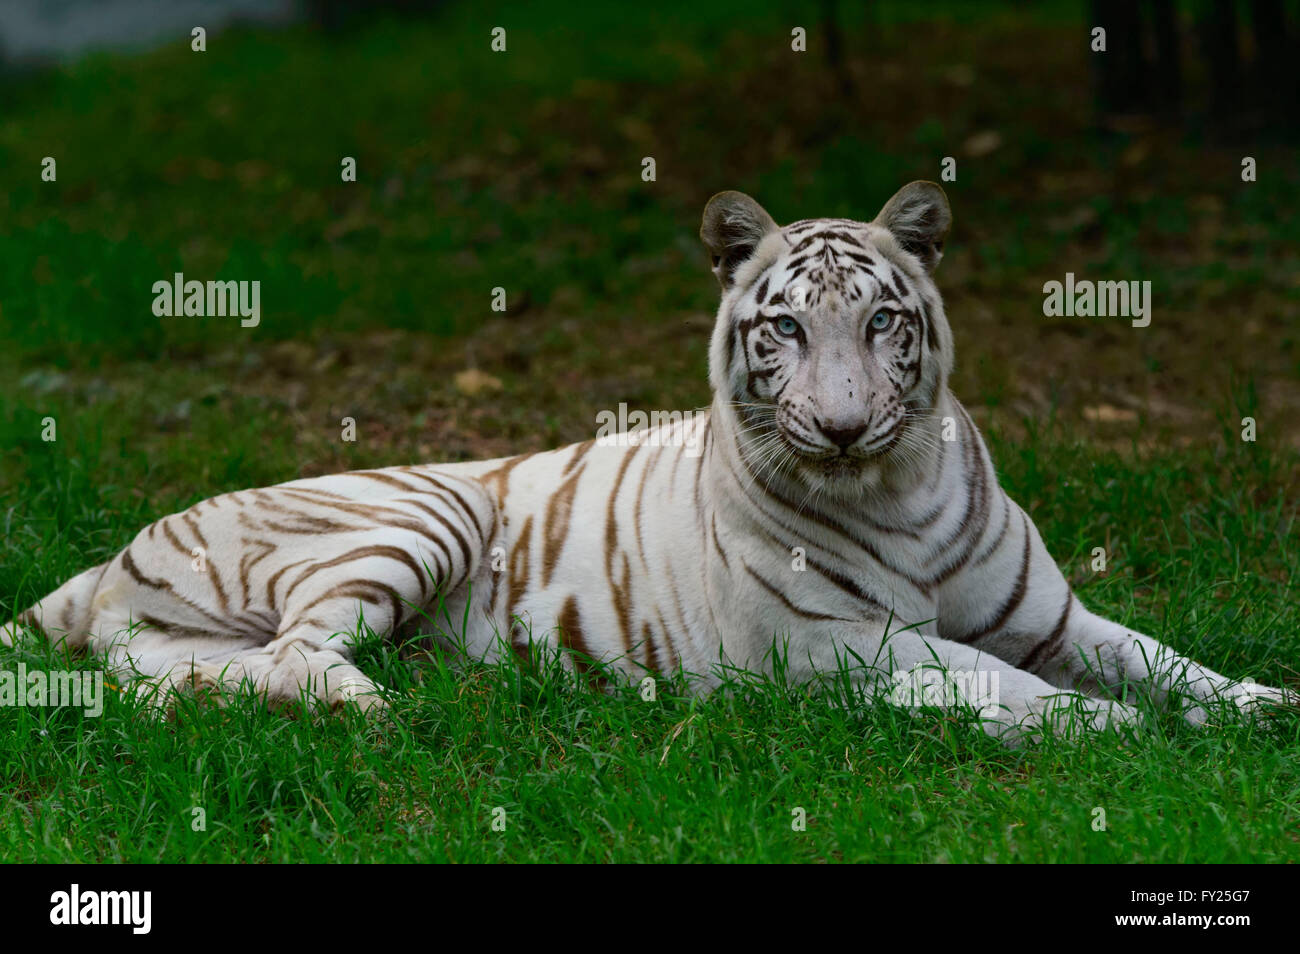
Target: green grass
point(1202, 562)
point(523, 171)
point(583, 777)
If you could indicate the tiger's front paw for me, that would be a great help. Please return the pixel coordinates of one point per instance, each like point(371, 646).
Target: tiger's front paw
point(362, 693)
point(1246, 698)
point(1250, 696)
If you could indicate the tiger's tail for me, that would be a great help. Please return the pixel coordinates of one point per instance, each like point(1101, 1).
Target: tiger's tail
point(63, 616)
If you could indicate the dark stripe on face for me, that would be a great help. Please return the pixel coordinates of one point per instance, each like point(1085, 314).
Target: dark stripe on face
point(866, 262)
point(755, 376)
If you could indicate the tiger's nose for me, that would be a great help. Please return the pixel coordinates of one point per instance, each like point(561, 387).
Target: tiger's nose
point(841, 437)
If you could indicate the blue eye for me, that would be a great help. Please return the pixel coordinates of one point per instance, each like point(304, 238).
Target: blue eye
point(881, 320)
point(787, 326)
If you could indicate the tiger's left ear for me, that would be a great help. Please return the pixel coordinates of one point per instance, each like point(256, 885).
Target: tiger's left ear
point(733, 226)
point(918, 217)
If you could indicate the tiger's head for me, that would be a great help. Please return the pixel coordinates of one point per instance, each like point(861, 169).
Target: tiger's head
point(831, 346)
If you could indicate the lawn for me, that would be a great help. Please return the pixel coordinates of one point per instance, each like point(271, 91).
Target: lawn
point(522, 170)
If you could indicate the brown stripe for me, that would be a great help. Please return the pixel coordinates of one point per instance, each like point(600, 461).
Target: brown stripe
point(618, 591)
point(246, 565)
point(501, 476)
point(363, 590)
point(785, 601)
point(717, 544)
point(574, 640)
point(180, 630)
point(1049, 646)
point(129, 564)
point(559, 509)
point(992, 548)
point(361, 553)
point(316, 526)
point(378, 513)
point(579, 452)
point(305, 490)
point(211, 564)
point(519, 566)
point(1012, 601)
point(470, 516)
point(381, 477)
point(174, 540)
point(976, 501)
point(465, 551)
point(636, 506)
point(651, 651)
point(275, 578)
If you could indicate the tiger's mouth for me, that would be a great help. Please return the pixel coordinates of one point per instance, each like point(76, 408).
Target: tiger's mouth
point(845, 457)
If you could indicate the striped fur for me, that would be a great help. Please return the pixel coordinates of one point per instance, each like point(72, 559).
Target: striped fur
point(825, 510)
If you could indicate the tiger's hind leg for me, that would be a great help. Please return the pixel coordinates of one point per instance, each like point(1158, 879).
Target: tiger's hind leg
point(274, 606)
point(322, 604)
point(311, 653)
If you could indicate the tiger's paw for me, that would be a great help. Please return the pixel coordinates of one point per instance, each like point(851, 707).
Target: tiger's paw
point(362, 693)
point(1245, 699)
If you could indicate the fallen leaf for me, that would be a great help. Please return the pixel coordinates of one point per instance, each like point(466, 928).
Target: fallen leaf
point(472, 382)
point(1109, 414)
point(982, 143)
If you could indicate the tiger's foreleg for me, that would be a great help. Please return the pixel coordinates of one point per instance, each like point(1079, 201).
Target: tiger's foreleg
point(913, 669)
point(1091, 650)
point(1040, 626)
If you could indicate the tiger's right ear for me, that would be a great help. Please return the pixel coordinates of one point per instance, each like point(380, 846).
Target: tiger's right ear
point(733, 226)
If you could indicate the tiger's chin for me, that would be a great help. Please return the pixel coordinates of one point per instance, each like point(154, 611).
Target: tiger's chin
point(843, 476)
point(849, 474)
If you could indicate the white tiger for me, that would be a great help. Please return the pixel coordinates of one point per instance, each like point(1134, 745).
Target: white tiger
point(815, 505)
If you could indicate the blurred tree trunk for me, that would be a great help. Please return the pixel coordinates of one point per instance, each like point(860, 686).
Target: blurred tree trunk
point(1144, 69)
point(1278, 82)
point(1223, 59)
point(1120, 72)
point(1168, 82)
point(834, 34)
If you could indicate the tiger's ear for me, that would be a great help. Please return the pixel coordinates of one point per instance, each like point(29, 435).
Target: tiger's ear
point(918, 217)
point(733, 226)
